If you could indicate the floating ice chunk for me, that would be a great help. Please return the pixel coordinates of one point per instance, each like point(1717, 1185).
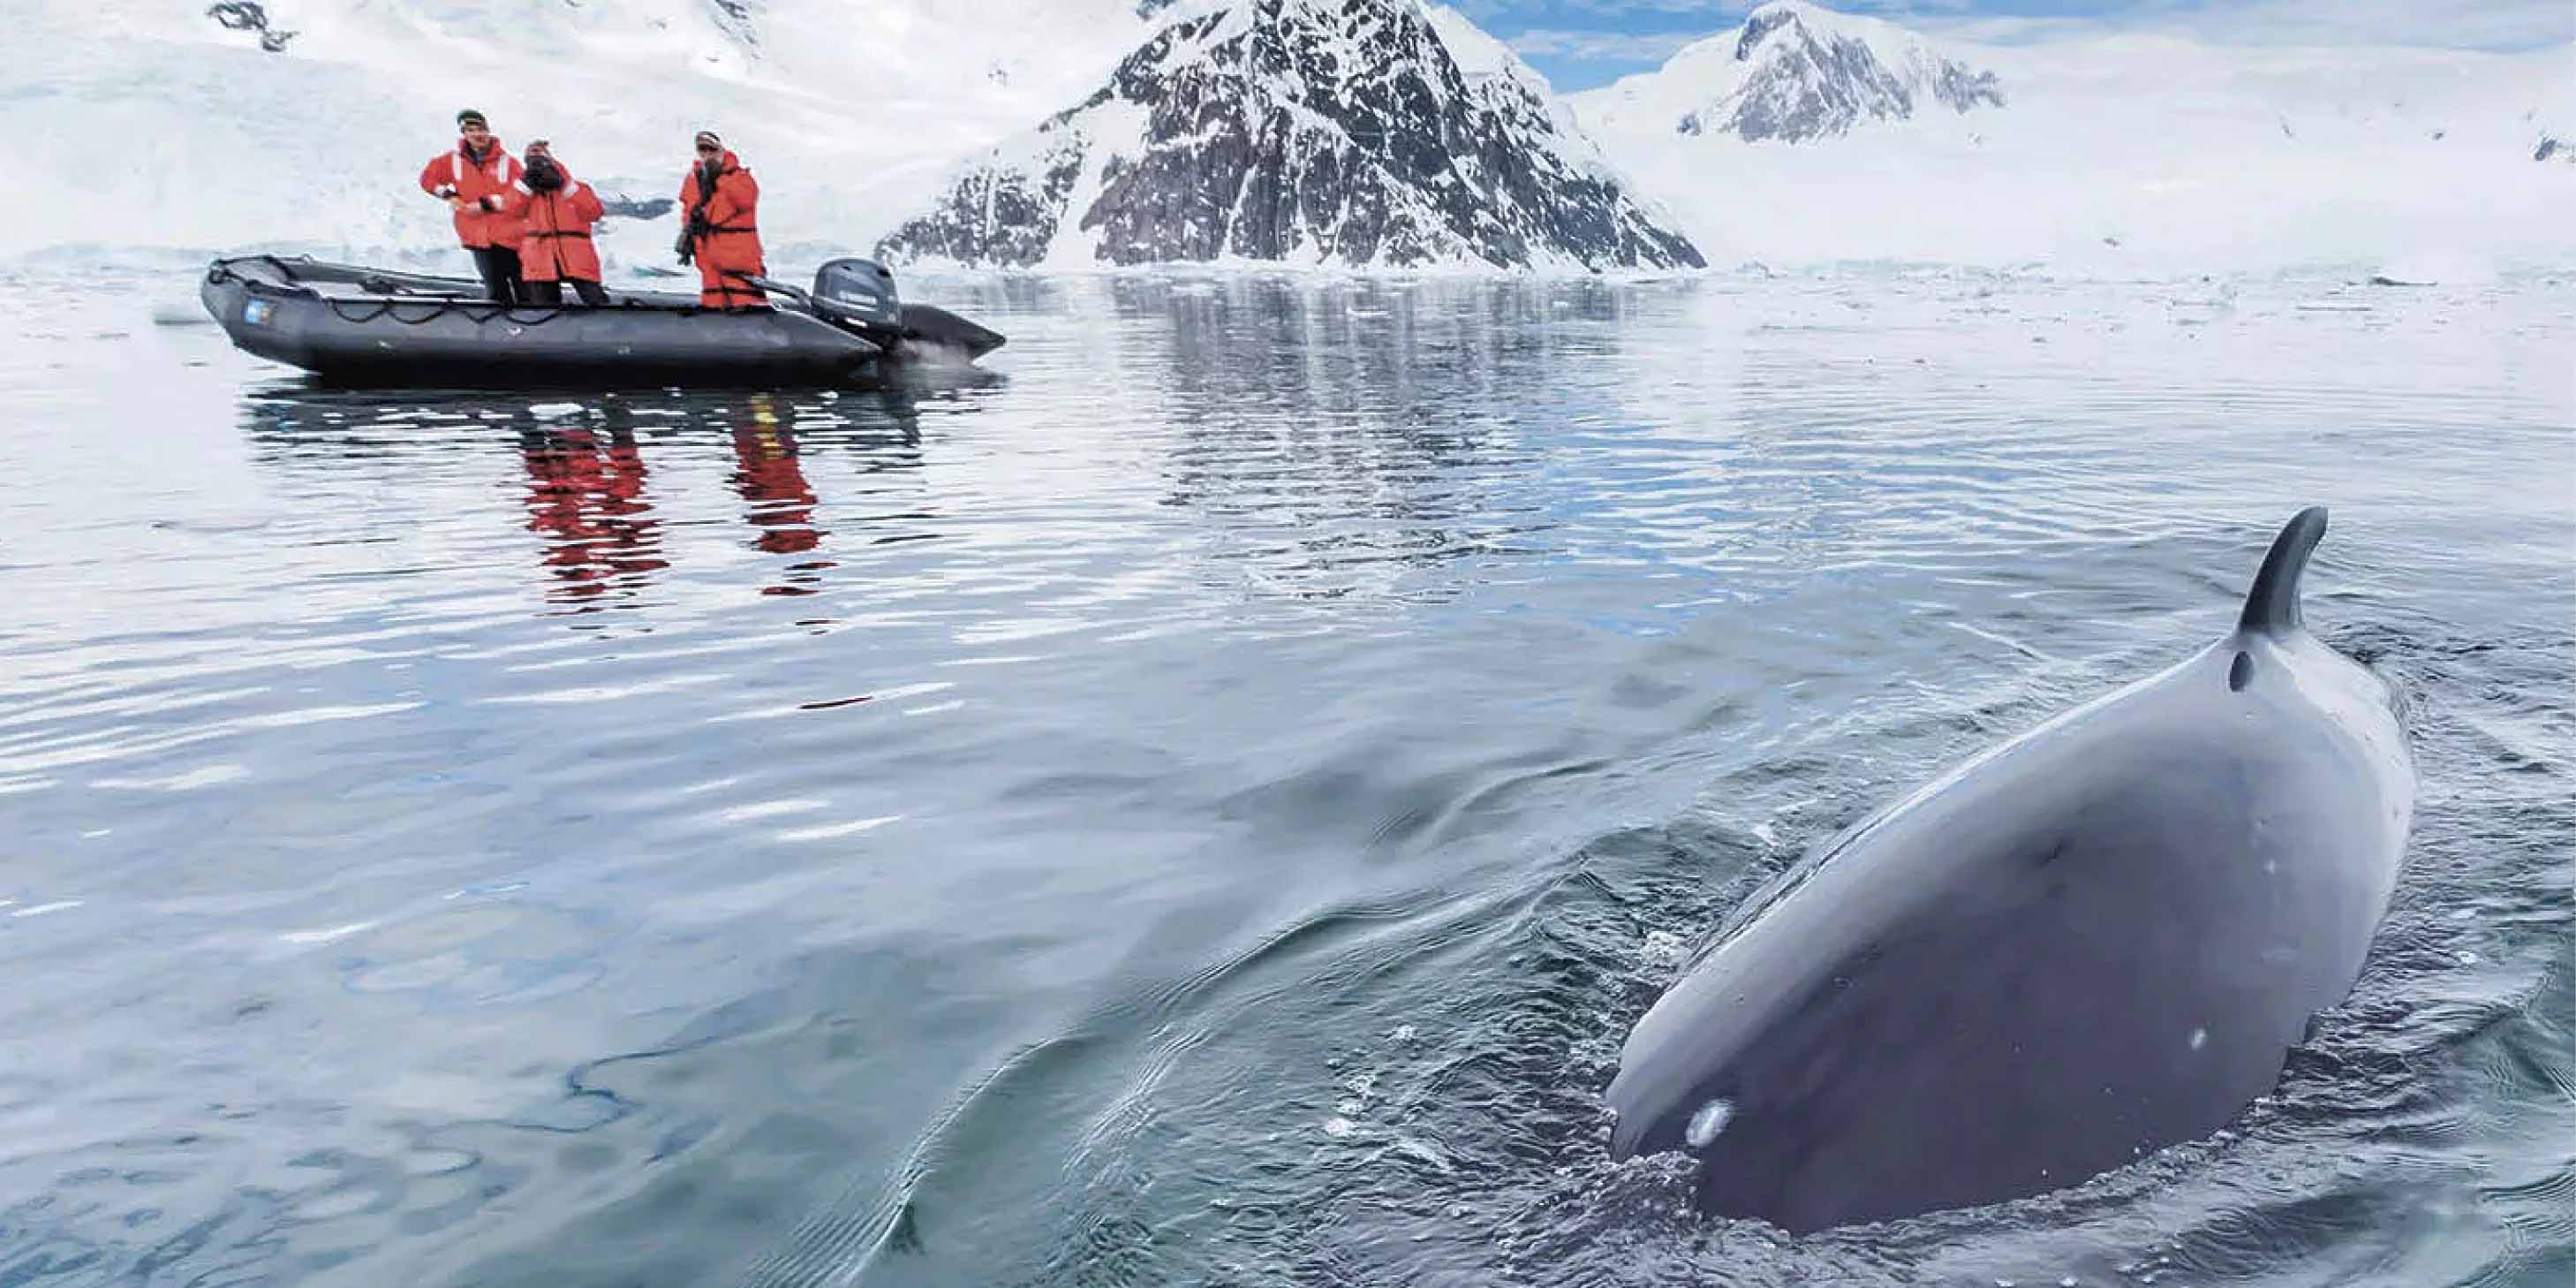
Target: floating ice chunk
point(1338, 1127)
point(326, 936)
point(2199, 1038)
point(1708, 1122)
point(1664, 948)
point(554, 411)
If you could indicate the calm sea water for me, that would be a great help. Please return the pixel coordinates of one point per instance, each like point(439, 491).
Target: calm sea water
point(1205, 805)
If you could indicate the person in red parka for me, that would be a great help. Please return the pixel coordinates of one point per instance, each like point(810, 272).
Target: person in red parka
point(474, 179)
point(719, 200)
point(556, 213)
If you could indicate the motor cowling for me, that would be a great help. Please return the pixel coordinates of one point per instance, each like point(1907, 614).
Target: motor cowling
point(862, 288)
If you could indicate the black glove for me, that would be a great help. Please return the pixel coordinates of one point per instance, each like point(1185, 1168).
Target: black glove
point(681, 247)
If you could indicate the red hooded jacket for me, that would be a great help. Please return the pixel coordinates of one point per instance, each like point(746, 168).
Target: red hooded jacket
point(732, 242)
point(455, 172)
point(554, 243)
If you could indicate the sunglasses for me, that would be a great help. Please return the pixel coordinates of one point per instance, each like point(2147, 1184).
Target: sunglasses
point(709, 148)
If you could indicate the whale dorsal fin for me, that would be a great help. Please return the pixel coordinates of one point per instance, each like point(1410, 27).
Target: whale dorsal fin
point(2272, 607)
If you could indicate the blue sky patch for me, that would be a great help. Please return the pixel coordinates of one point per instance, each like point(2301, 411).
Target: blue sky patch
point(1580, 44)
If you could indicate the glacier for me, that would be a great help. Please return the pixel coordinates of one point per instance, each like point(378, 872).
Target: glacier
point(174, 128)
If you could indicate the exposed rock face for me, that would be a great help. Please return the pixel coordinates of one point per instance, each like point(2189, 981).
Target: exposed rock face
point(1344, 132)
point(248, 15)
point(736, 18)
point(624, 207)
point(1807, 79)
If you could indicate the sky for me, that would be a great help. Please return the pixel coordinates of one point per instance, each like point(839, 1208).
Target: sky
point(1580, 44)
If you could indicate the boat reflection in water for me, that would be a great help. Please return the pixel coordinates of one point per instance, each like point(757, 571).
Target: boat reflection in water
point(626, 494)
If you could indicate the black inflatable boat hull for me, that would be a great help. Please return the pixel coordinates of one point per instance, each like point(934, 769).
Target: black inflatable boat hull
point(349, 324)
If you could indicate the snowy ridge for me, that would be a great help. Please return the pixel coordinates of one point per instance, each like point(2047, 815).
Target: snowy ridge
point(1350, 133)
point(1793, 72)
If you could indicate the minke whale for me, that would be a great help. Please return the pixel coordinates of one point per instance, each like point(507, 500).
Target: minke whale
point(2096, 940)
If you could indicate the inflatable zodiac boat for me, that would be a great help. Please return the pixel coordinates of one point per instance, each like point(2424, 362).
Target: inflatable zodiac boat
point(350, 324)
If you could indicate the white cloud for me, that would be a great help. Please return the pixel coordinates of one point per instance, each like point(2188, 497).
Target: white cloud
point(2443, 24)
point(2447, 24)
point(1618, 8)
point(2453, 24)
point(1601, 46)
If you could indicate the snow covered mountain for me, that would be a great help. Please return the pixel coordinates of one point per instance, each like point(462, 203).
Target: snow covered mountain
point(1377, 133)
point(1793, 72)
point(1807, 136)
point(1342, 132)
point(303, 123)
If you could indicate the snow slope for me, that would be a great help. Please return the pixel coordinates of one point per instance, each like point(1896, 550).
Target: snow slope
point(2128, 154)
point(174, 130)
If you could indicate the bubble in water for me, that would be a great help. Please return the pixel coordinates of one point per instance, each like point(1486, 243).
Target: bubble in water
point(1338, 1127)
point(2199, 1038)
point(1708, 1122)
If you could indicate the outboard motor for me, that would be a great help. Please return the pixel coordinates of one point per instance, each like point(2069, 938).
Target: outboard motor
point(862, 288)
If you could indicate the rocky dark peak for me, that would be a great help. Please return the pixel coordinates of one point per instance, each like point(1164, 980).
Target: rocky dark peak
point(1322, 131)
point(1758, 27)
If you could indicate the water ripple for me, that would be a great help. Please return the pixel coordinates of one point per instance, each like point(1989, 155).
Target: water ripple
point(1206, 805)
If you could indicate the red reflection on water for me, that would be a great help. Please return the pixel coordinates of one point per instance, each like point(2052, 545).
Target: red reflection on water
point(768, 476)
point(588, 499)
